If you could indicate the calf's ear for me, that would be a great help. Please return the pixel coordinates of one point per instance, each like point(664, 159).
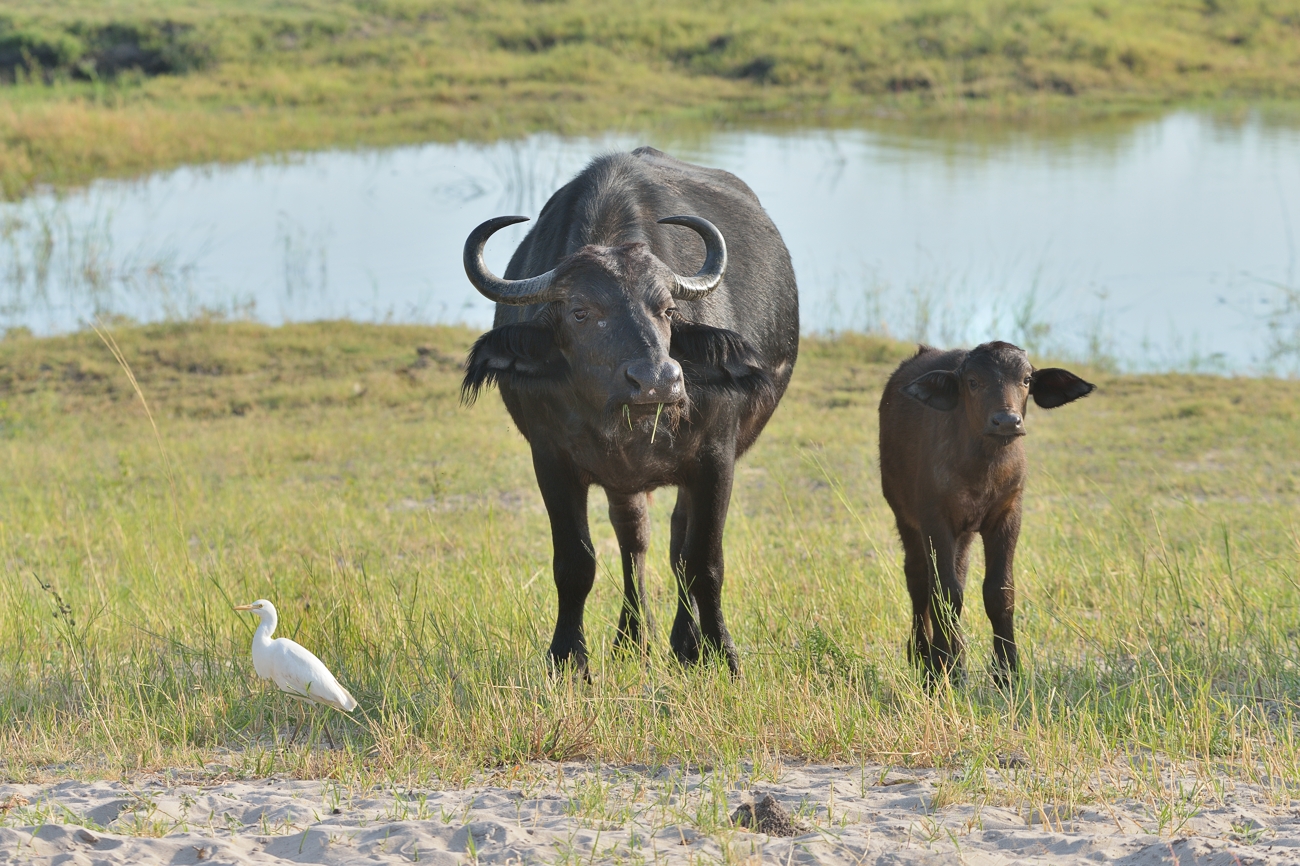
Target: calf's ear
point(1054, 387)
point(936, 389)
point(518, 353)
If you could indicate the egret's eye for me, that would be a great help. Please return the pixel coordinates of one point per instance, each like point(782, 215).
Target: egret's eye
point(580, 315)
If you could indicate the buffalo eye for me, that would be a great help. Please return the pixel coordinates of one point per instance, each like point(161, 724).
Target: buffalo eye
point(580, 315)
point(973, 384)
point(670, 313)
point(1029, 380)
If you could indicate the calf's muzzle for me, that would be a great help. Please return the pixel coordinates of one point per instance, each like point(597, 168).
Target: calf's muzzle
point(1006, 424)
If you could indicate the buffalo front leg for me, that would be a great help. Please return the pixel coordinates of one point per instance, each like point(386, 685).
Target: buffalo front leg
point(630, 516)
point(920, 588)
point(936, 589)
point(701, 556)
point(574, 561)
point(685, 637)
point(1000, 592)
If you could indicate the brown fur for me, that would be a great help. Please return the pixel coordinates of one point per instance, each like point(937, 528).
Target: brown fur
point(952, 464)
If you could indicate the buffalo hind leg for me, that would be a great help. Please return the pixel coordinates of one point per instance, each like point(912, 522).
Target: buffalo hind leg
point(1000, 592)
point(701, 557)
point(630, 516)
point(565, 496)
point(685, 637)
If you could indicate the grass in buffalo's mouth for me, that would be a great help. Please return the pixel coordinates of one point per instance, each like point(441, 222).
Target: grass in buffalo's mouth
point(404, 541)
point(659, 409)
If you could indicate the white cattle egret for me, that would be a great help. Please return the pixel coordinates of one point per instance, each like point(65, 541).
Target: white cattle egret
point(291, 666)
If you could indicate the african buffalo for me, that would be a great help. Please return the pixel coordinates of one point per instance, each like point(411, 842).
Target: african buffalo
point(621, 370)
point(952, 463)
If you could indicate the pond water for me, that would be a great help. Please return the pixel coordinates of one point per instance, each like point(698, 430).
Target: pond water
point(1167, 243)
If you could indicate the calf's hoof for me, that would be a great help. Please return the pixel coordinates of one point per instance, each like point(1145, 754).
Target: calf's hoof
point(1005, 676)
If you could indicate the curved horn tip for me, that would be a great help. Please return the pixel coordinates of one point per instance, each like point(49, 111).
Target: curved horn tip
point(514, 292)
point(715, 258)
point(503, 221)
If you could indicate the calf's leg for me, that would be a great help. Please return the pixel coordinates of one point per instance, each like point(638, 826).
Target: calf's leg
point(916, 567)
point(574, 561)
point(630, 516)
point(931, 559)
point(1000, 590)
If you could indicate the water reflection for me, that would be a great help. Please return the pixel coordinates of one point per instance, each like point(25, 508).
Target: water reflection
point(1164, 243)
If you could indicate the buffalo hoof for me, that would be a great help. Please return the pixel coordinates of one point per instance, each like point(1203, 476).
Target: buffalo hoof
point(728, 655)
point(630, 645)
point(685, 641)
point(631, 636)
point(944, 671)
point(572, 664)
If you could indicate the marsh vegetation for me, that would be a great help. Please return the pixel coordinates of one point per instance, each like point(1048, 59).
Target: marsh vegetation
point(1147, 244)
point(95, 90)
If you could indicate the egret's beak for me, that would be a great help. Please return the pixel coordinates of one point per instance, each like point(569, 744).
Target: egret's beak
point(243, 607)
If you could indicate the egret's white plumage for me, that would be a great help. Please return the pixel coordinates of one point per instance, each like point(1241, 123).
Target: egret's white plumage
point(291, 666)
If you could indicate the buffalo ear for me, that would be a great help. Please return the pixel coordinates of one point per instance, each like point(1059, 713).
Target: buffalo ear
point(717, 358)
point(1054, 387)
point(517, 353)
point(937, 389)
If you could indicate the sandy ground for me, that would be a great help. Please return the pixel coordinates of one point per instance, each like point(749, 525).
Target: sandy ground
point(575, 813)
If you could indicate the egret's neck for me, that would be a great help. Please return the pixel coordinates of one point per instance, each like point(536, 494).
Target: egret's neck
point(262, 637)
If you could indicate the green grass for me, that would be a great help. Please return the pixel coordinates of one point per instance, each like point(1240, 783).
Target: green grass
point(330, 468)
point(250, 77)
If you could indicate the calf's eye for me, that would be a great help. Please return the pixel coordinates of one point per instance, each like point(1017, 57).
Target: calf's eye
point(580, 315)
point(973, 384)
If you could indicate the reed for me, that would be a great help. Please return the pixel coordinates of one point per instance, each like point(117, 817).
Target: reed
point(215, 82)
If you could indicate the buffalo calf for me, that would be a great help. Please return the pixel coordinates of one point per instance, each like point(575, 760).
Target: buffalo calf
point(952, 463)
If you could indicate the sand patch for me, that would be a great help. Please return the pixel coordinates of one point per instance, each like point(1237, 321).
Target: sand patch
point(579, 813)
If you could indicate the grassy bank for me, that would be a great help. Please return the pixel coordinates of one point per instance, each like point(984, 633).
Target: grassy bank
point(330, 468)
point(113, 89)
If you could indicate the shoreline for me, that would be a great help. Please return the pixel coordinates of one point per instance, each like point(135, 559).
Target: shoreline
point(574, 812)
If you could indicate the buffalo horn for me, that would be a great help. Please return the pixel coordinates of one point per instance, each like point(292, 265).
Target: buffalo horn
point(534, 290)
point(715, 259)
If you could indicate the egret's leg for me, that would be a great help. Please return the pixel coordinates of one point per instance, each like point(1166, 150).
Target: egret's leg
point(301, 718)
point(329, 738)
